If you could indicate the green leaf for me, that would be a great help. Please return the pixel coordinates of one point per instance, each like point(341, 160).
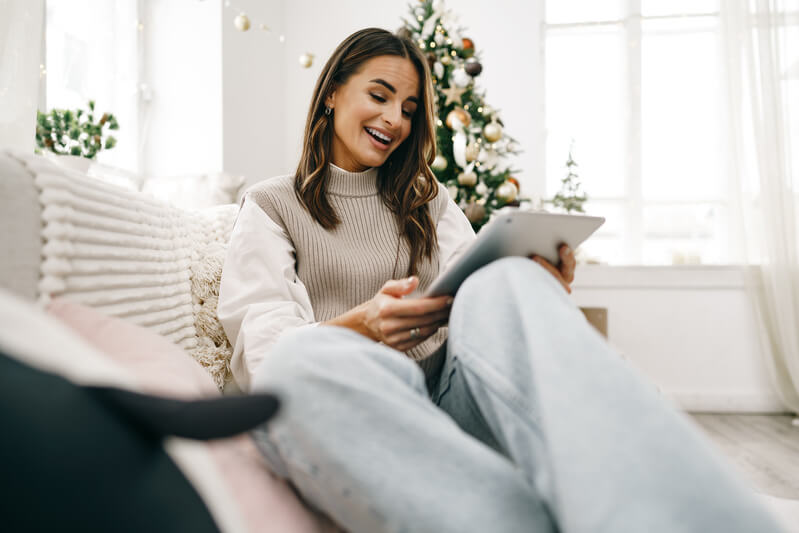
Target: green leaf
point(75, 150)
point(91, 105)
point(110, 142)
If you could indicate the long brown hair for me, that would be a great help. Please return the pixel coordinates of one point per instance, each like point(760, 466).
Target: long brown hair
point(405, 182)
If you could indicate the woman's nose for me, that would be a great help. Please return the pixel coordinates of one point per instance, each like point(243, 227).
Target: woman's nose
point(393, 115)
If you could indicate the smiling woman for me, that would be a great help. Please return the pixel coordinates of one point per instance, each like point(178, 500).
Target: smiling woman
point(376, 107)
point(463, 412)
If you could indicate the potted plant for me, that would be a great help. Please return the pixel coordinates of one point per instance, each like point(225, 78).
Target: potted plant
point(75, 132)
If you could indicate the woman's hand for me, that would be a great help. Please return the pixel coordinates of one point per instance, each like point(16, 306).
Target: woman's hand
point(394, 321)
point(564, 272)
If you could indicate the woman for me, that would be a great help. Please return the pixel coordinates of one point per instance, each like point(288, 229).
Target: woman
point(517, 417)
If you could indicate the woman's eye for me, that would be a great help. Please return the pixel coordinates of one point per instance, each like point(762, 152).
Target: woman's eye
point(378, 98)
point(408, 114)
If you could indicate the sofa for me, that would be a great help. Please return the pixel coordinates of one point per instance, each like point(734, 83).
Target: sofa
point(104, 287)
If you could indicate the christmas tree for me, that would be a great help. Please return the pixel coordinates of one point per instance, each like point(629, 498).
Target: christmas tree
point(570, 198)
point(471, 142)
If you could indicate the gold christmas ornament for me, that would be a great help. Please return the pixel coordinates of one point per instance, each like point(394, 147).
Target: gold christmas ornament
point(472, 151)
point(461, 114)
point(439, 163)
point(242, 22)
point(467, 179)
point(507, 192)
point(446, 60)
point(453, 192)
point(306, 60)
point(475, 212)
point(492, 132)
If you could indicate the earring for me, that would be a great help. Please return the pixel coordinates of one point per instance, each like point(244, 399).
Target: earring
point(328, 111)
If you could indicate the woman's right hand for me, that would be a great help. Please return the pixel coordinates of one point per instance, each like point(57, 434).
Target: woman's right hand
point(389, 318)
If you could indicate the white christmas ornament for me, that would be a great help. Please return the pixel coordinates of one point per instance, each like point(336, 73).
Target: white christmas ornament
point(467, 179)
point(438, 69)
point(507, 192)
point(461, 78)
point(439, 39)
point(459, 148)
point(481, 189)
point(306, 60)
point(439, 163)
point(492, 131)
point(242, 22)
point(488, 159)
point(453, 191)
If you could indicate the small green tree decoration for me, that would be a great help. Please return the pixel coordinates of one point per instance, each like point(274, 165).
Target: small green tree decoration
point(67, 132)
point(569, 198)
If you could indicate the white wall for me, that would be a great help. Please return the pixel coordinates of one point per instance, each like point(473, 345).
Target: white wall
point(689, 329)
point(254, 91)
point(182, 125)
point(20, 56)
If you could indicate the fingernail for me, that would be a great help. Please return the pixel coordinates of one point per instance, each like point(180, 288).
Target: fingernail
point(566, 250)
point(450, 300)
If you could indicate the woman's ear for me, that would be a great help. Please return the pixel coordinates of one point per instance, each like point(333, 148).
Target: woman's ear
point(330, 101)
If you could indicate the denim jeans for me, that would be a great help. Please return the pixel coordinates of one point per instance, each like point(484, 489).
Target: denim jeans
point(535, 425)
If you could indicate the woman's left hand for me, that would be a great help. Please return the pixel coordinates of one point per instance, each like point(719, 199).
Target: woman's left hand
point(564, 271)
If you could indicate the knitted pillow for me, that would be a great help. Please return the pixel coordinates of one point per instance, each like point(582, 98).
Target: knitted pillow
point(213, 349)
point(130, 256)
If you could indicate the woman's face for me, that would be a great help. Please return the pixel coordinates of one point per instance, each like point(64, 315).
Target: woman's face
point(372, 112)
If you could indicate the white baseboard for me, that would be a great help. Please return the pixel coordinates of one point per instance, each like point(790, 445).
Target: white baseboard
point(692, 402)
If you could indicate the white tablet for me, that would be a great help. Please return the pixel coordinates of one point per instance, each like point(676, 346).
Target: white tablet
point(516, 233)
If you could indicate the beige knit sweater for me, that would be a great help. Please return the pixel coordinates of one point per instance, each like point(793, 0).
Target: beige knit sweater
point(345, 267)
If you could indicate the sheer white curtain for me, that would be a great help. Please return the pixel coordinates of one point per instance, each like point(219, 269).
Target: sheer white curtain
point(20, 56)
point(762, 53)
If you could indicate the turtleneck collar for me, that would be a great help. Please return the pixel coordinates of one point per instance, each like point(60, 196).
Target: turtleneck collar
point(345, 183)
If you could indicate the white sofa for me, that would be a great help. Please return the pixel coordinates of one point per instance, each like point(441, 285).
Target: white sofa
point(119, 251)
point(73, 245)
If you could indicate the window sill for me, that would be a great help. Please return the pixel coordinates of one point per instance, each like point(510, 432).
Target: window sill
point(690, 277)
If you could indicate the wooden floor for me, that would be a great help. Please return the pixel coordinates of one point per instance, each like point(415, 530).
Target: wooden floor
point(764, 448)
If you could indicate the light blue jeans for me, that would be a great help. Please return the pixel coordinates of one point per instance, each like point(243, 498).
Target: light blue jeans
point(535, 425)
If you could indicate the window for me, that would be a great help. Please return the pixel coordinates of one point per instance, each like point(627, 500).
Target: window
point(92, 51)
point(636, 86)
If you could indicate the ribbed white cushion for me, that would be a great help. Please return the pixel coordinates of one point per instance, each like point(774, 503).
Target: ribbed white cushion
point(123, 252)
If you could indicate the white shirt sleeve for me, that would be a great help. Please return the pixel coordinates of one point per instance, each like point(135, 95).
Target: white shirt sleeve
point(455, 234)
point(260, 295)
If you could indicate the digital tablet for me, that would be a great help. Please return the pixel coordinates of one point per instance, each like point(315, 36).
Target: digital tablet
point(516, 233)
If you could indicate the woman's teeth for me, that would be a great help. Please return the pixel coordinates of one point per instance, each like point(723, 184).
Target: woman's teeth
point(379, 136)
